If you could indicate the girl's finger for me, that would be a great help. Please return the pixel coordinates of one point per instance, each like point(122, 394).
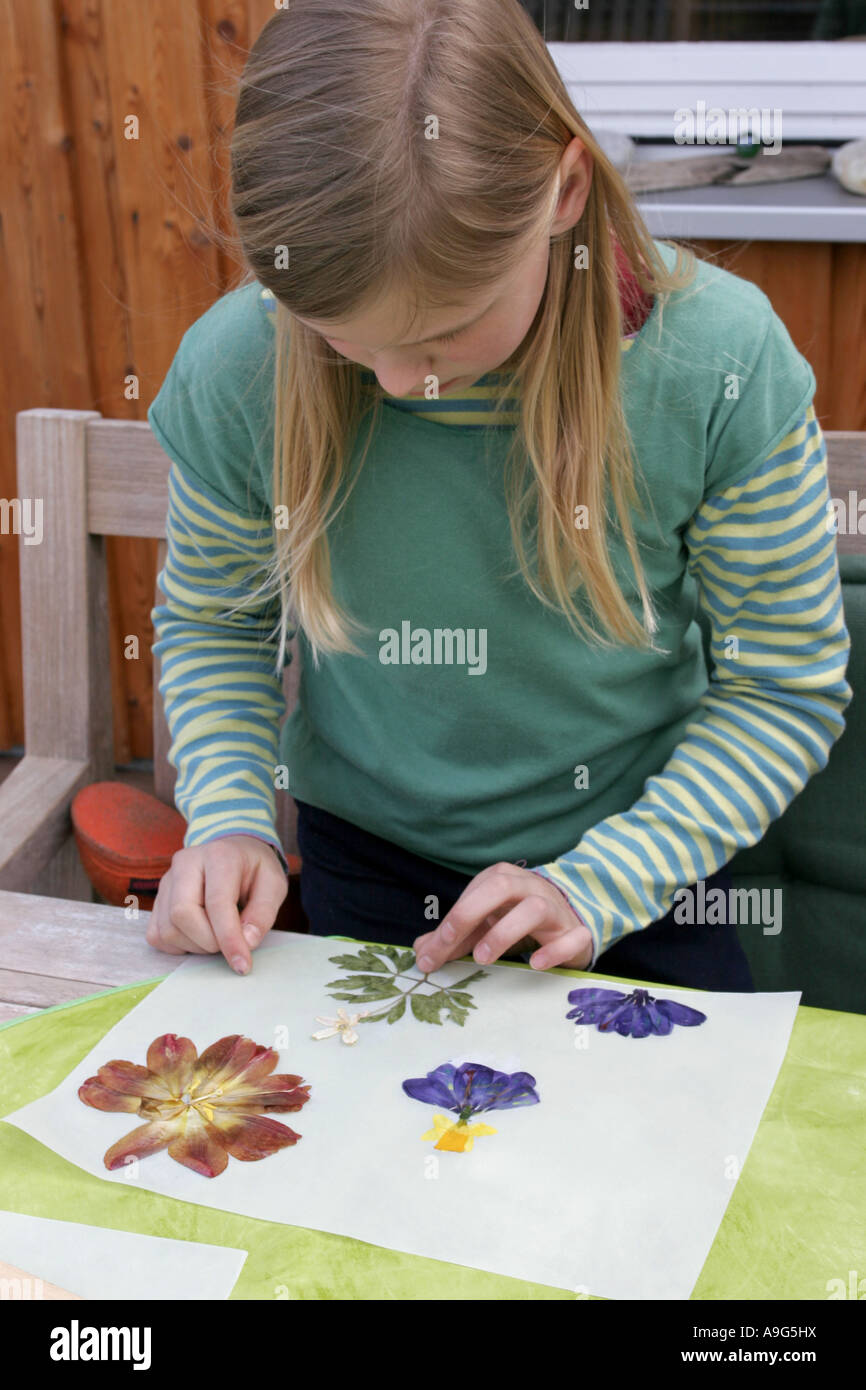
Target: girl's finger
point(420, 946)
point(489, 893)
point(571, 945)
point(531, 917)
point(158, 925)
point(262, 905)
point(222, 890)
point(183, 924)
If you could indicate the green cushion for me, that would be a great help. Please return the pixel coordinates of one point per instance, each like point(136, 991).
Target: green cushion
point(816, 853)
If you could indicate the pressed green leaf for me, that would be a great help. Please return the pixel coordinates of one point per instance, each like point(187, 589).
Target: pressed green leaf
point(405, 960)
point(392, 952)
point(459, 997)
point(347, 962)
point(426, 1008)
point(370, 961)
point(468, 980)
point(365, 981)
point(398, 1010)
point(364, 960)
point(373, 1018)
point(386, 990)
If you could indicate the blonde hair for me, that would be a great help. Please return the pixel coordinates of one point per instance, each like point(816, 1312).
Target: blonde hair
point(330, 161)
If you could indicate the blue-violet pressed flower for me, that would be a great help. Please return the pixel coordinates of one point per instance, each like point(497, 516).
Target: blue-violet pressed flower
point(633, 1015)
point(467, 1090)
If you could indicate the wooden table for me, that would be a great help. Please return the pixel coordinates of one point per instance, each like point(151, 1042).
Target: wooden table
point(53, 951)
point(795, 1226)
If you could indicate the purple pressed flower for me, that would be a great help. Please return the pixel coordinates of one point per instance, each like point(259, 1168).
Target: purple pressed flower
point(471, 1088)
point(633, 1015)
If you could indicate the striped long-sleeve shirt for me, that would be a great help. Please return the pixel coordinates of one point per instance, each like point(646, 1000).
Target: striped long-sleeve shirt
point(770, 715)
point(726, 762)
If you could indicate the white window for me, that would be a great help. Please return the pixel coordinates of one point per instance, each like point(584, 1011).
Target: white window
point(636, 88)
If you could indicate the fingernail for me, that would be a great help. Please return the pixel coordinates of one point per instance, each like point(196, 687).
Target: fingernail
point(424, 964)
point(447, 931)
point(240, 965)
point(252, 935)
point(482, 953)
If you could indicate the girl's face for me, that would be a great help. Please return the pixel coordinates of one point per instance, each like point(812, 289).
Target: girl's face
point(458, 345)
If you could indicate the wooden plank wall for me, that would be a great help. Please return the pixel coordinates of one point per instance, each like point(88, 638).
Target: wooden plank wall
point(105, 257)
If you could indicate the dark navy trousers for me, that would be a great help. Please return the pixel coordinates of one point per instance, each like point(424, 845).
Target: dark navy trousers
point(357, 884)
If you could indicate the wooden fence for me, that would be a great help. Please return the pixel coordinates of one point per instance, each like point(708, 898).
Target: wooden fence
point(116, 116)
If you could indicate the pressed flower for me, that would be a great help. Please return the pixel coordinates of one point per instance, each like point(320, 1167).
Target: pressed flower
point(454, 1134)
point(633, 1015)
point(343, 1025)
point(467, 1090)
point(201, 1109)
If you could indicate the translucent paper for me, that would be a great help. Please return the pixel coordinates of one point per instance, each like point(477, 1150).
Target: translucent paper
point(95, 1262)
point(613, 1185)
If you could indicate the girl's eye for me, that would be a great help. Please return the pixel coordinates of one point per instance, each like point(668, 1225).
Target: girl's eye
point(449, 337)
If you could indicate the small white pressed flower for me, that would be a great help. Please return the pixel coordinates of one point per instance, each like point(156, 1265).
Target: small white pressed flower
point(344, 1024)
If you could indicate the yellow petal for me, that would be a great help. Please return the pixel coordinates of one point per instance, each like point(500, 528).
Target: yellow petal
point(455, 1135)
point(440, 1125)
point(457, 1139)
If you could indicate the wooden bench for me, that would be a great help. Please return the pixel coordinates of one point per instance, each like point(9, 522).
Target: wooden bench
point(96, 478)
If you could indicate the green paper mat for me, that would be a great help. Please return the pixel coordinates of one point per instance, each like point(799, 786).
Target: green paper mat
point(796, 1220)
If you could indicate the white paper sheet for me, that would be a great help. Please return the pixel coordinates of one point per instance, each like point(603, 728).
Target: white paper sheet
point(614, 1185)
point(96, 1262)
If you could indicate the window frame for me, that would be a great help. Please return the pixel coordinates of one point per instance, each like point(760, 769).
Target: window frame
point(636, 88)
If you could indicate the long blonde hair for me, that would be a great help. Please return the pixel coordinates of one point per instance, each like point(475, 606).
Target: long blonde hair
point(339, 196)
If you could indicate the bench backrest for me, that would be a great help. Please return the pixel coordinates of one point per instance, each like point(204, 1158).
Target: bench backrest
point(110, 478)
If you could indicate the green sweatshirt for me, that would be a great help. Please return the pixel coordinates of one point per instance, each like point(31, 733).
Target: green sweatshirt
point(476, 726)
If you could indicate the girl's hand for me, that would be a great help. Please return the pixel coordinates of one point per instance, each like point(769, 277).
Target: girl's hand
point(196, 906)
point(497, 909)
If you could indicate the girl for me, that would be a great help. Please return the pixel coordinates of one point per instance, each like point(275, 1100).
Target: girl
point(485, 445)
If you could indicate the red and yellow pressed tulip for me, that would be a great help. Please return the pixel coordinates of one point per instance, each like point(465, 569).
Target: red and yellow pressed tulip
point(201, 1109)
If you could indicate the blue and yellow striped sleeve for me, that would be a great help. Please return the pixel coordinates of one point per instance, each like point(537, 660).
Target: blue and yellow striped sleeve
point(222, 697)
point(768, 574)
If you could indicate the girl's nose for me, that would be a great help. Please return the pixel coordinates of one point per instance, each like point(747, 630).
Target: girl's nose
point(401, 381)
